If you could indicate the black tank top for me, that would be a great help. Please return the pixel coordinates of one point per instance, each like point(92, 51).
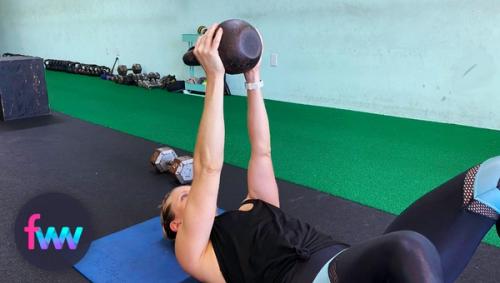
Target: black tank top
point(263, 244)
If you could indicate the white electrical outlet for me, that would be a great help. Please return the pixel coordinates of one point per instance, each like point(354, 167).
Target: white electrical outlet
point(274, 59)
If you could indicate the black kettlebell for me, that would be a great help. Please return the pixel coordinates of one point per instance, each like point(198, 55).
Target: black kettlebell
point(240, 47)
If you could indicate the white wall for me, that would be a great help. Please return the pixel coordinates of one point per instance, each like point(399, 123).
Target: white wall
point(431, 60)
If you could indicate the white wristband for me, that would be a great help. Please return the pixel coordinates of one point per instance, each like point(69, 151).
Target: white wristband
point(252, 86)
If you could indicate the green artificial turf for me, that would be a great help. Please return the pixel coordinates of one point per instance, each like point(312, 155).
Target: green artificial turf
point(380, 161)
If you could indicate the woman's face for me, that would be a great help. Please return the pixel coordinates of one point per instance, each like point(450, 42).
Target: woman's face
point(178, 199)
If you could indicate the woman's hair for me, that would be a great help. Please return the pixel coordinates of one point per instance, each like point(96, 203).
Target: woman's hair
point(167, 216)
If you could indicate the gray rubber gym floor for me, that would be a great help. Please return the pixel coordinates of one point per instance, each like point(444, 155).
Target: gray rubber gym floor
point(109, 172)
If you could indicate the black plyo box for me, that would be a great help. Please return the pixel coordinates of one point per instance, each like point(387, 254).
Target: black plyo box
point(23, 91)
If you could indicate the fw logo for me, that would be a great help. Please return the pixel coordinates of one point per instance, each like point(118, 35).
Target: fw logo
point(51, 235)
point(49, 231)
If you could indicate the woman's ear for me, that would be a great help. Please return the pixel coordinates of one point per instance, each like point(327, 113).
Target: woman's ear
point(174, 225)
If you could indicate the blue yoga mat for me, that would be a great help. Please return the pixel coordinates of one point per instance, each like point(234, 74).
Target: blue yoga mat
point(135, 254)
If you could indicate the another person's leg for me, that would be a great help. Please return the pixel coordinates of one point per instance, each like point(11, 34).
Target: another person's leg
point(452, 219)
point(403, 256)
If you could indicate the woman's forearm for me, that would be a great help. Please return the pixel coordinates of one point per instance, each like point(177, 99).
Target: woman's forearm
point(209, 149)
point(258, 123)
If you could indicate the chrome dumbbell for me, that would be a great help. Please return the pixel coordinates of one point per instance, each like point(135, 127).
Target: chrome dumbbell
point(164, 159)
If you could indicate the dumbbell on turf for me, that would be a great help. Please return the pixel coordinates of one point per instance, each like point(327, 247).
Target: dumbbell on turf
point(164, 159)
point(122, 69)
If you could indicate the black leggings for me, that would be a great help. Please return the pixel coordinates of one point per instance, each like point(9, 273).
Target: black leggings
point(431, 241)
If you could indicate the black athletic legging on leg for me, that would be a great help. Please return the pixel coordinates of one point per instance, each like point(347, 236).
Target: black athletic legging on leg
point(402, 256)
point(451, 235)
